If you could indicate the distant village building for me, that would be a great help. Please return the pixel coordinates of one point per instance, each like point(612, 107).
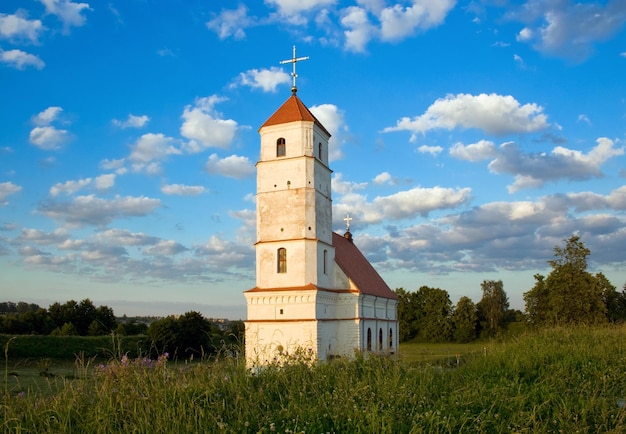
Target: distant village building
point(314, 289)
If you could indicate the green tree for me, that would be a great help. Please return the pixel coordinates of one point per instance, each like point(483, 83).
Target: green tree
point(433, 315)
point(464, 320)
point(492, 307)
point(408, 310)
point(569, 294)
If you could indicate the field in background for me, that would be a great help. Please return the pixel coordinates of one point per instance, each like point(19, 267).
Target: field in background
point(560, 380)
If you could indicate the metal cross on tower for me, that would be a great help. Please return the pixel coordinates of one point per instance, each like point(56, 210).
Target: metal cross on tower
point(348, 219)
point(293, 61)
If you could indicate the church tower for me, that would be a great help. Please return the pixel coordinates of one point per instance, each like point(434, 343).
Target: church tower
point(305, 297)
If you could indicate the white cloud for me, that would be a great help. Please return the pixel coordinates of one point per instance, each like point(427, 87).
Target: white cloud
point(432, 150)
point(265, 79)
point(104, 182)
point(90, 210)
point(203, 124)
point(15, 27)
point(124, 237)
point(342, 187)
point(232, 166)
point(494, 114)
point(182, 190)
point(68, 12)
point(332, 118)
point(359, 28)
point(231, 23)
point(69, 187)
point(150, 150)
point(47, 116)
point(48, 138)
point(481, 150)
point(384, 178)
point(296, 7)
point(166, 248)
point(569, 29)
point(20, 59)
point(7, 189)
point(533, 170)
point(401, 205)
point(398, 22)
point(132, 121)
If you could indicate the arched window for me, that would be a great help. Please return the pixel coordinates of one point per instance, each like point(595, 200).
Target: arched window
point(391, 339)
point(369, 339)
point(319, 150)
point(280, 147)
point(282, 260)
point(380, 339)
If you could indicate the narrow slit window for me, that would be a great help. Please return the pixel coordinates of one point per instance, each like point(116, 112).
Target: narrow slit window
point(281, 150)
point(282, 260)
point(325, 261)
point(369, 339)
point(380, 339)
point(319, 150)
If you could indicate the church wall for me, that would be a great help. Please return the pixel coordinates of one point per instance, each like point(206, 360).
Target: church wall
point(338, 338)
point(265, 340)
point(281, 305)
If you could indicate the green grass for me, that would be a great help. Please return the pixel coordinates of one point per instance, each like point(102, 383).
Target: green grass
point(563, 380)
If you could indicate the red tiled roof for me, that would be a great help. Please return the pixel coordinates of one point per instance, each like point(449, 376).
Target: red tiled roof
point(293, 110)
point(357, 267)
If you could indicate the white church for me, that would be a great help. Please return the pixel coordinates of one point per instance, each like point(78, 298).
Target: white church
point(315, 291)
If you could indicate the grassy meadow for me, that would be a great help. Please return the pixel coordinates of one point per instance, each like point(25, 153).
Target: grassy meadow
point(560, 380)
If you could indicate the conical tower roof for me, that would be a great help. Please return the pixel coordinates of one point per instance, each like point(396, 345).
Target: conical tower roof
point(293, 110)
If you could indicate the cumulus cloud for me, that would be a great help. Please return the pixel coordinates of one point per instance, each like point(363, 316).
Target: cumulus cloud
point(342, 187)
point(19, 59)
point(182, 190)
point(569, 29)
point(233, 166)
point(432, 150)
point(125, 237)
point(70, 13)
point(204, 126)
point(332, 118)
point(405, 204)
point(359, 30)
point(48, 138)
point(533, 170)
point(91, 210)
point(295, 7)
point(231, 22)
point(383, 178)
point(166, 248)
point(19, 27)
point(494, 114)
point(267, 80)
point(224, 254)
point(104, 182)
point(69, 187)
point(398, 21)
point(481, 150)
point(7, 189)
point(148, 152)
point(132, 121)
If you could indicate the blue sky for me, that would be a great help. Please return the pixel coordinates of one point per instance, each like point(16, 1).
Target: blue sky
point(469, 139)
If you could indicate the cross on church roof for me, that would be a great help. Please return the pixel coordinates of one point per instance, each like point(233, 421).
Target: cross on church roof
point(293, 61)
point(348, 219)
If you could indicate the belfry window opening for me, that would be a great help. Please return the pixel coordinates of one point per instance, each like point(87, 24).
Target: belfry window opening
point(281, 148)
point(282, 260)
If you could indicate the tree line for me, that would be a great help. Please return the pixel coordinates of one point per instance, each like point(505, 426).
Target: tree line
point(568, 295)
point(181, 336)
